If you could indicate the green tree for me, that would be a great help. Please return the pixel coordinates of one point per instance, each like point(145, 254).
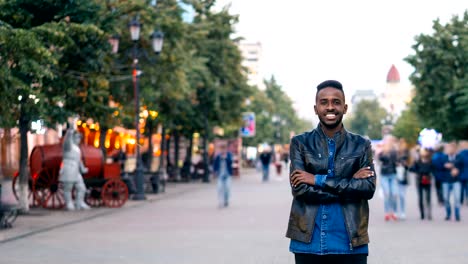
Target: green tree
point(366, 119)
point(219, 83)
point(302, 125)
point(262, 106)
point(407, 126)
point(284, 117)
point(275, 116)
point(25, 64)
point(440, 78)
point(164, 85)
point(52, 59)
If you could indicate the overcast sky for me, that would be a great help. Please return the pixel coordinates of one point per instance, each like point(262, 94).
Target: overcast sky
point(356, 42)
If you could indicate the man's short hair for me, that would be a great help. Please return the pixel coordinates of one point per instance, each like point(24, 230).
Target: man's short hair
point(329, 83)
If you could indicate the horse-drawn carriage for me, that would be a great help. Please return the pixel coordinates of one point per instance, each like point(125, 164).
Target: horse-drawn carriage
point(103, 181)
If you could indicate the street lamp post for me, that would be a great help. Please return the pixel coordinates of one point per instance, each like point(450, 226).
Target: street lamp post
point(157, 41)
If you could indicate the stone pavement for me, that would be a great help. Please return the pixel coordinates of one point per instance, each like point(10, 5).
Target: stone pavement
point(40, 220)
point(185, 226)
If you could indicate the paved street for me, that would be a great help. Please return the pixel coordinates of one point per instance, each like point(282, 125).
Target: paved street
point(185, 226)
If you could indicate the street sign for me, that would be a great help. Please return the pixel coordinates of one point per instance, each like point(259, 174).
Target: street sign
point(248, 124)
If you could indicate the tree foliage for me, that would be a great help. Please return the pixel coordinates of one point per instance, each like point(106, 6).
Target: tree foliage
point(221, 86)
point(275, 116)
point(407, 126)
point(440, 78)
point(52, 64)
point(55, 62)
point(367, 119)
point(25, 65)
point(68, 32)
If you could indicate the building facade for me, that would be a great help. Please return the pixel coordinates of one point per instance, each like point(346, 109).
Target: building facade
point(361, 95)
point(252, 59)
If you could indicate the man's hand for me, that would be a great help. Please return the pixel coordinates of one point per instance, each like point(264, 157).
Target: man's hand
point(448, 165)
point(454, 172)
point(364, 173)
point(299, 176)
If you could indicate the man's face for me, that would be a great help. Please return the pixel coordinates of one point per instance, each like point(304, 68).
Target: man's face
point(330, 107)
point(451, 148)
point(223, 149)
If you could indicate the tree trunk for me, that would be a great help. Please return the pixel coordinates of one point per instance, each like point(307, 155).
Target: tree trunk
point(169, 165)
point(188, 160)
point(3, 150)
point(23, 169)
point(162, 173)
point(7, 157)
point(189, 149)
point(163, 149)
point(1, 171)
point(176, 154)
point(206, 176)
point(150, 145)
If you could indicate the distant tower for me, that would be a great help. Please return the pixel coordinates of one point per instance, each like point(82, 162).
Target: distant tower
point(395, 96)
point(393, 75)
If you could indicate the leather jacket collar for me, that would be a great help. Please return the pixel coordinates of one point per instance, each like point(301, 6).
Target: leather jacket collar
point(339, 136)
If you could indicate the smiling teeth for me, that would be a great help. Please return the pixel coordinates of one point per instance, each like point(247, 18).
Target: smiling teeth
point(331, 115)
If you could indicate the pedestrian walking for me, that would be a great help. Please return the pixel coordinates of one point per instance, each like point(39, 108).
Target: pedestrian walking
point(440, 173)
point(402, 177)
point(423, 170)
point(285, 158)
point(222, 168)
point(451, 184)
point(388, 179)
point(462, 165)
point(265, 159)
point(332, 178)
point(278, 164)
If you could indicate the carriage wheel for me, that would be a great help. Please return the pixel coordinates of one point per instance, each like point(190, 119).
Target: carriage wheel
point(114, 193)
point(93, 197)
point(52, 192)
point(35, 199)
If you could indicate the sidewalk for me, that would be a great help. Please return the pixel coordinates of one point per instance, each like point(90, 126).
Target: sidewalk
point(39, 220)
point(185, 226)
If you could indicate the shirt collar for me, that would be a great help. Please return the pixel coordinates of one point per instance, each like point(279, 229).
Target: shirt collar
point(338, 137)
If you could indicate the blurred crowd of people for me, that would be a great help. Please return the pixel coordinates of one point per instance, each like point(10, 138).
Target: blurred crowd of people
point(276, 157)
point(444, 167)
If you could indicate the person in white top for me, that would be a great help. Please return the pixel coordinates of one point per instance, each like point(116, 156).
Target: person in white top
point(71, 171)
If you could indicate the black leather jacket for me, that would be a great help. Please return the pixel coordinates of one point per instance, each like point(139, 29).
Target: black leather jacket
point(309, 152)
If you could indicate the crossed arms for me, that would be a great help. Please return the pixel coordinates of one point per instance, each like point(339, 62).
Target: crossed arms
point(320, 189)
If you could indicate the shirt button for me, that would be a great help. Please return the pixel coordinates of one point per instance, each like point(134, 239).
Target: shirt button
point(329, 171)
point(323, 233)
point(331, 153)
point(324, 216)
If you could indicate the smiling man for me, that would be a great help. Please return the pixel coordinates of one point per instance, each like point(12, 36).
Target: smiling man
point(332, 178)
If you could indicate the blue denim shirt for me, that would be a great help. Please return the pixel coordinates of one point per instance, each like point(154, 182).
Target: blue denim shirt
point(330, 235)
point(462, 164)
